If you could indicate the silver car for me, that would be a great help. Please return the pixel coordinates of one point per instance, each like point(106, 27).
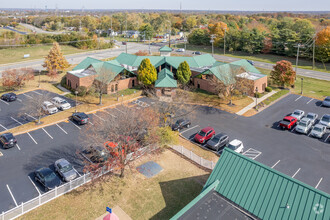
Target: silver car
point(312, 117)
point(325, 120)
point(318, 131)
point(298, 114)
point(65, 170)
point(326, 101)
point(304, 125)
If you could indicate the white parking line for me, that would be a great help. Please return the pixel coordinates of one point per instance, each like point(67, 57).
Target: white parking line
point(252, 153)
point(276, 163)
point(325, 141)
point(76, 171)
point(190, 129)
point(34, 185)
point(3, 127)
point(292, 130)
point(296, 173)
point(47, 133)
point(16, 121)
point(317, 185)
point(18, 147)
point(110, 114)
point(20, 100)
point(11, 195)
point(75, 125)
point(90, 123)
point(27, 96)
point(4, 102)
point(62, 129)
point(30, 116)
point(309, 101)
point(119, 110)
point(36, 92)
point(32, 138)
point(297, 98)
point(98, 117)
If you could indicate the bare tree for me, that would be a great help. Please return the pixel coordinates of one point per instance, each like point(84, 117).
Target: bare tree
point(102, 81)
point(16, 78)
point(120, 138)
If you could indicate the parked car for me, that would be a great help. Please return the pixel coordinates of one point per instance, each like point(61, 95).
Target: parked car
point(236, 145)
point(9, 97)
point(204, 135)
point(288, 122)
point(80, 117)
point(61, 103)
point(124, 43)
point(47, 178)
point(8, 140)
point(326, 101)
point(312, 116)
point(197, 53)
point(298, 114)
point(304, 126)
point(180, 50)
point(218, 142)
point(318, 131)
point(251, 62)
point(181, 123)
point(164, 41)
point(65, 170)
point(325, 120)
point(49, 108)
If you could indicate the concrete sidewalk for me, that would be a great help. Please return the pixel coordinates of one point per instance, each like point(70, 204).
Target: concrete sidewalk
point(253, 104)
point(66, 91)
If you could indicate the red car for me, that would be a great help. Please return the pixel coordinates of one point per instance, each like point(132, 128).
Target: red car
point(204, 135)
point(288, 122)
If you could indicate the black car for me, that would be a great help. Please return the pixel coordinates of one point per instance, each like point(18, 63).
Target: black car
point(9, 97)
point(181, 123)
point(197, 53)
point(251, 62)
point(218, 142)
point(47, 178)
point(8, 140)
point(80, 117)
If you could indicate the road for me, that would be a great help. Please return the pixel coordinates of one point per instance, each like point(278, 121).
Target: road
point(38, 30)
point(134, 47)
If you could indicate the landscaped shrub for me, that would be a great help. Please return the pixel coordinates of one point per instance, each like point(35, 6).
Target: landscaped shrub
point(82, 90)
point(268, 89)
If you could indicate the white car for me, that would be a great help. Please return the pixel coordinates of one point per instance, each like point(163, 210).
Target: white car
point(236, 145)
point(180, 50)
point(318, 131)
point(304, 126)
point(61, 103)
point(298, 114)
point(164, 41)
point(325, 120)
point(49, 108)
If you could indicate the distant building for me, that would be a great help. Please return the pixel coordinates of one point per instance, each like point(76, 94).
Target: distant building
point(131, 34)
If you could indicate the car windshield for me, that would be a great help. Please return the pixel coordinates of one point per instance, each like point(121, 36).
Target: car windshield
point(230, 146)
point(216, 139)
point(50, 176)
point(66, 168)
point(51, 106)
point(327, 99)
point(326, 118)
point(63, 102)
point(303, 124)
point(317, 129)
point(296, 113)
point(202, 133)
point(310, 116)
point(9, 136)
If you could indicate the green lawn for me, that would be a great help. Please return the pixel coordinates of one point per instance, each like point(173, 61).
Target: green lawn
point(314, 88)
point(267, 58)
point(12, 55)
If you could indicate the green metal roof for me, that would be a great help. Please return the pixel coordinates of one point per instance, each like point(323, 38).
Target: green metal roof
point(86, 63)
point(265, 192)
point(165, 49)
point(225, 72)
point(107, 71)
point(165, 79)
point(246, 65)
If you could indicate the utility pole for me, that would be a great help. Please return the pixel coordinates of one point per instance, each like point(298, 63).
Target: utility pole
point(185, 42)
point(149, 46)
point(297, 60)
point(224, 42)
point(313, 52)
point(212, 41)
point(111, 29)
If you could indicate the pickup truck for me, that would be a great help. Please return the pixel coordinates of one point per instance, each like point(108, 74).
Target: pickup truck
point(288, 122)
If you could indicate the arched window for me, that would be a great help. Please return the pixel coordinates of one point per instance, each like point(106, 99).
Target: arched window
point(112, 90)
point(116, 87)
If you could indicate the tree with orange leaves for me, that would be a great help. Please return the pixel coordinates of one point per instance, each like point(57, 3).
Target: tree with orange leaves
point(322, 42)
point(218, 29)
point(283, 73)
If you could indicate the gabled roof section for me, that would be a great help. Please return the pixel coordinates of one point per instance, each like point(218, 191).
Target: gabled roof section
point(125, 58)
point(225, 72)
point(265, 192)
point(204, 60)
point(165, 79)
point(247, 66)
point(86, 63)
point(165, 49)
point(107, 71)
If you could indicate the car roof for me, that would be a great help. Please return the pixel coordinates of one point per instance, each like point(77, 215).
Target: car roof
point(298, 110)
point(311, 113)
point(58, 98)
point(48, 102)
point(81, 114)
point(207, 129)
point(304, 119)
point(45, 170)
point(289, 117)
point(319, 126)
point(235, 142)
point(62, 161)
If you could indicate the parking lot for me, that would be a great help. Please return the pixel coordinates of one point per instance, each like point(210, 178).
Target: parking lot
point(41, 148)
point(297, 155)
point(12, 114)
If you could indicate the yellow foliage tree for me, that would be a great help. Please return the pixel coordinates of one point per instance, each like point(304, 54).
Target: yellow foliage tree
point(323, 37)
point(218, 29)
point(55, 60)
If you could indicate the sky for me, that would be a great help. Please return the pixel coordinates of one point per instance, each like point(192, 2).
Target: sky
point(239, 5)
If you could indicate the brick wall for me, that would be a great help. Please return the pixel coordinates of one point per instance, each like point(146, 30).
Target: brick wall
point(121, 84)
point(261, 84)
point(74, 81)
point(203, 84)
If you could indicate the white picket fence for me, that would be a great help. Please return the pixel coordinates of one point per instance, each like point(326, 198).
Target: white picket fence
point(25, 207)
point(192, 156)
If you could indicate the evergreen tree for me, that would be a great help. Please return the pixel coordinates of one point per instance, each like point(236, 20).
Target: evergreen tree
point(55, 60)
point(147, 73)
point(183, 73)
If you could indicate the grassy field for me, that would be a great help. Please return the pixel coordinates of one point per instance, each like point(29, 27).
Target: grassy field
point(267, 58)
point(313, 88)
point(159, 197)
point(12, 55)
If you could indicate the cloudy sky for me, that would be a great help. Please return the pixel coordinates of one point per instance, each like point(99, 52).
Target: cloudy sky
point(241, 5)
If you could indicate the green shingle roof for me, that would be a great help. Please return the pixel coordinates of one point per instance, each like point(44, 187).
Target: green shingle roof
point(225, 72)
point(165, 79)
point(165, 49)
point(86, 63)
point(107, 71)
point(246, 65)
point(265, 192)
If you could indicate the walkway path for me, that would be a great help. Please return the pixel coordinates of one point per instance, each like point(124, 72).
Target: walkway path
point(253, 104)
point(66, 91)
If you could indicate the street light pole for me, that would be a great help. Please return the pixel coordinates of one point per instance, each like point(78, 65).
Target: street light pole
point(297, 60)
point(302, 80)
point(313, 53)
point(76, 93)
point(185, 43)
point(39, 78)
point(257, 98)
point(212, 41)
point(224, 43)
